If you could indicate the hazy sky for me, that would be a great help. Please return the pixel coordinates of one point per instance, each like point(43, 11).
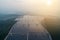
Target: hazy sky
point(39, 7)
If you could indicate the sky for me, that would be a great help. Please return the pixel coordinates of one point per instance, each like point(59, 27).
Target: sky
point(34, 7)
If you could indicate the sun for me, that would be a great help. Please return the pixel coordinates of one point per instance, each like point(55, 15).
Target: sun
point(49, 2)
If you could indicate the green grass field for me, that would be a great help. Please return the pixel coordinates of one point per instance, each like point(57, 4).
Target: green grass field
point(6, 22)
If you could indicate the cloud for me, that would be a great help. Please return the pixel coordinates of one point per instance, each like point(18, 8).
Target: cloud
point(37, 7)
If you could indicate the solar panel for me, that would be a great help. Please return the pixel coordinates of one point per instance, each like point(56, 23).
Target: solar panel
point(25, 29)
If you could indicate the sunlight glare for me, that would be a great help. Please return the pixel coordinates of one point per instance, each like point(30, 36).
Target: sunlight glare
point(49, 2)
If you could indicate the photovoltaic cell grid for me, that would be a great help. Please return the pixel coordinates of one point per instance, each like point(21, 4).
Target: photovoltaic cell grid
point(28, 28)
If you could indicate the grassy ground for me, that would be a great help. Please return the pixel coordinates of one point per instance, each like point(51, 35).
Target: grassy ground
point(52, 24)
point(6, 22)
